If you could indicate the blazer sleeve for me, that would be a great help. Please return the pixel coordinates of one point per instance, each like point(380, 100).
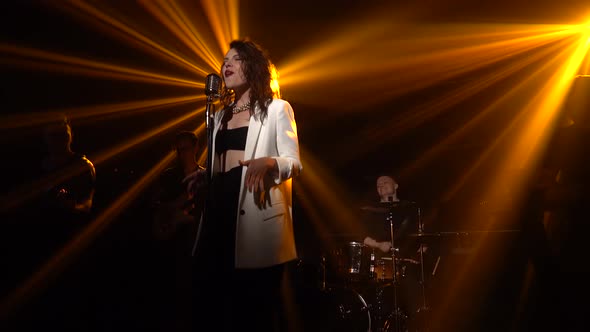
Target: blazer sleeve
point(288, 161)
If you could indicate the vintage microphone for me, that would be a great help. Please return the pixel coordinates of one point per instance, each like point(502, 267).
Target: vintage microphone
point(212, 85)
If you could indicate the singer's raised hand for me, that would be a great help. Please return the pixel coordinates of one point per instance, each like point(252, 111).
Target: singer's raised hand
point(257, 170)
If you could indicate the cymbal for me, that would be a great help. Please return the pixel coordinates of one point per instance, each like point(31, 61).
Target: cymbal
point(465, 232)
point(375, 209)
point(385, 207)
point(424, 234)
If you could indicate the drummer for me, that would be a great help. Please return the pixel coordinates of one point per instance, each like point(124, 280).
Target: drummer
point(376, 219)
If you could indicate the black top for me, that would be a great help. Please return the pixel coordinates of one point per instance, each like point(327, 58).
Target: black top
point(231, 139)
point(405, 222)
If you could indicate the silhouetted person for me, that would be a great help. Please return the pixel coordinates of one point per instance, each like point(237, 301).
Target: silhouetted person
point(57, 215)
point(177, 204)
point(556, 225)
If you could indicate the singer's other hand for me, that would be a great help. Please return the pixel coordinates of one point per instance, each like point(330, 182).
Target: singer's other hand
point(258, 170)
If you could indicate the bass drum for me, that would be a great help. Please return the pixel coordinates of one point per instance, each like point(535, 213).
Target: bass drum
point(335, 309)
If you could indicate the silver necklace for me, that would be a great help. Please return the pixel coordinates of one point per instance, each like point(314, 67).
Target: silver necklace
point(242, 108)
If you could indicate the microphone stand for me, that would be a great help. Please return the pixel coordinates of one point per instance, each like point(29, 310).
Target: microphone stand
point(424, 308)
point(396, 314)
point(210, 122)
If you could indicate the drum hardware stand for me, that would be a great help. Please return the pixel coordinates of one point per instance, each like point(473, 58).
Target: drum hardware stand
point(396, 314)
point(424, 308)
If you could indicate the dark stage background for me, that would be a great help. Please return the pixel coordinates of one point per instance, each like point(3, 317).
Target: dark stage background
point(125, 274)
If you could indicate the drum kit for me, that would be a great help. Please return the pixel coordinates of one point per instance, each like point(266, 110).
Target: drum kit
point(374, 291)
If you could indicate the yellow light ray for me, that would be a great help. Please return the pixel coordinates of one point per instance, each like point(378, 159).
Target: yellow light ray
point(57, 263)
point(34, 58)
point(375, 50)
point(233, 7)
point(38, 59)
point(26, 191)
point(522, 115)
point(464, 92)
point(313, 212)
point(223, 18)
point(96, 112)
point(518, 157)
point(413, 118)
point(542, 110)
point(121, 30)
point(175, 19)
point(585, 30)
point(320, 185)
point(73, 65)
point(546, 105)
point(400, 64)
point(274, 82)
point(143, 137)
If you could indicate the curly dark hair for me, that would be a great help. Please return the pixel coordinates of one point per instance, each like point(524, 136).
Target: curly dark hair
point(257, 71)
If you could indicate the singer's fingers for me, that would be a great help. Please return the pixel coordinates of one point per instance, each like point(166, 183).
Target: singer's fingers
point(248, 180)
point(258, 183)
point(255, 181)
point(255, 173)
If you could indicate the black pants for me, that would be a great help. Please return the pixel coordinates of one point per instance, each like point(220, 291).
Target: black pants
point(229, 299)
point(244, 300)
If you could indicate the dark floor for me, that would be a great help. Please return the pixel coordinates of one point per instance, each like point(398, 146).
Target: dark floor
point(139, 291)
point(126, 281)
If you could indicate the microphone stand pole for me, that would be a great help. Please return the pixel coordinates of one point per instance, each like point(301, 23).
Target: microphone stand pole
point(396, 315)
point(210, 122)
point(424, 308)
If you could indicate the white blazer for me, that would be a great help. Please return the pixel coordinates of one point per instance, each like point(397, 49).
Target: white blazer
point(264, 225)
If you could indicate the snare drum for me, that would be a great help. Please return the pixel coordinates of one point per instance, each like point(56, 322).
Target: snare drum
point(384, 268)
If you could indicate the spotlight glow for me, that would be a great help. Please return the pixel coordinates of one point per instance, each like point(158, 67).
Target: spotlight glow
point(389, 57)
point(44, 60)
point(274, 82)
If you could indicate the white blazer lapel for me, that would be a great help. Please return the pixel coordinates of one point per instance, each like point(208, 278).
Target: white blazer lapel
point(254, 129)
